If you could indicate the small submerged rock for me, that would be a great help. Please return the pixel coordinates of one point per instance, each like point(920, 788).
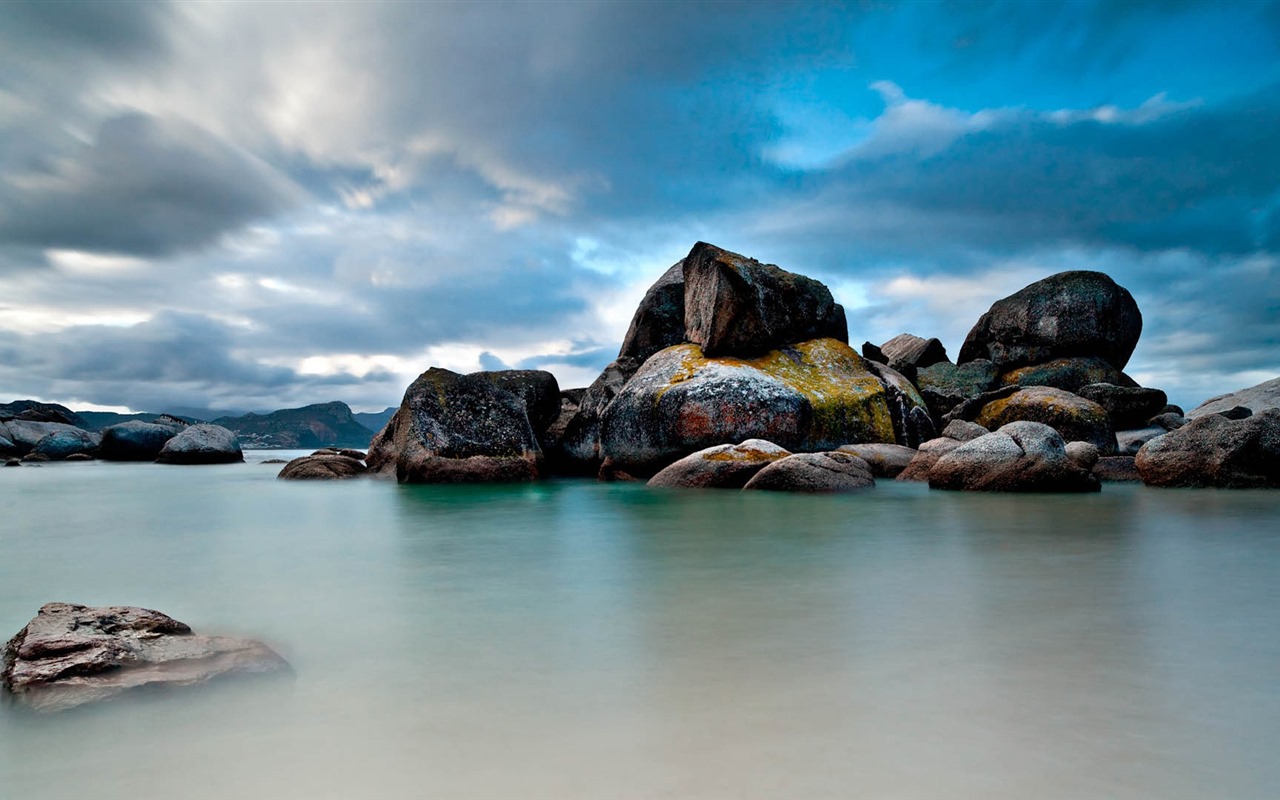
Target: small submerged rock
point(70, 655)
point(323, 466)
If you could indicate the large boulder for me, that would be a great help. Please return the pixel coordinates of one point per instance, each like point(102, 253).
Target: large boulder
point(1071, 415)
point(323, 466)
point(1078, 313)
point(910, 352)
point(136, 441)
point(537, 388)
point(725, 466)
point(814, 473)
point(1213, 450)
point(1068, 374)
point(1128, 406)
point(1256, 398)
point(56, 446)
point(814, 396)
point(659, 319)
point(453, 428)
point(202, 444)
point(576, 451)
point(26, 434)
point(945, 386)
point(734, 305)
point(70, 655)
point(1019, 457)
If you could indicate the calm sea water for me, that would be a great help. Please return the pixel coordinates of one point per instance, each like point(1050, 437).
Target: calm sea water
point(574, 639)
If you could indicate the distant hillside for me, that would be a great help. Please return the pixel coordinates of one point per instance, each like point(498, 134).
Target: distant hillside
point(377, 420)
point(320, 425)
point(41, 412)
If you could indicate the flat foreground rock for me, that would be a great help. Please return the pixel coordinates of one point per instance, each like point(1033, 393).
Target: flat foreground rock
point(70, 655)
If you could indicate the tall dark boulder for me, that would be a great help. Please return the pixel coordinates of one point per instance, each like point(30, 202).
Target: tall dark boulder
point(1079, 313)
point(659, 319)
point(135, 441)
point(734, 305)
point(453, 428)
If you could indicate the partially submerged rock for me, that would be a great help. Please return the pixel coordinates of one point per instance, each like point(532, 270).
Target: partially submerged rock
point(1019, 457)
point(24, 434)
point(136, 441)
point(453, 428)
point(1212, 450)
point(885, 460)
point(1078, 313)
point(323, 466)
point(70, 655)
point(814, 473)
point(814, 396)
point(202, 444)
point(724, 466)
point(918, 469)
point(736, 306)
point(59, 445)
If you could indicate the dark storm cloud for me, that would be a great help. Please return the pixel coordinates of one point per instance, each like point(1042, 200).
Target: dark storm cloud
point(117, 30)
point(143, 187)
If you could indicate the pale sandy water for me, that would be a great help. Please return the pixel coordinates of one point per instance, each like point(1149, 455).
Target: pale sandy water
point(572, 639)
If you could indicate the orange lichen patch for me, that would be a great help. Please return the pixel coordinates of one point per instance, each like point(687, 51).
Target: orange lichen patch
point(746, 454)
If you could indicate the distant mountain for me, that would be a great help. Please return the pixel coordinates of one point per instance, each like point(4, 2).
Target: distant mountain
point(320, 425)
point(377, 420)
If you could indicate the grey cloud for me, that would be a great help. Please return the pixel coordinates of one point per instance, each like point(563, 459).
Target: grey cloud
point(117, 30)
point(144, 187)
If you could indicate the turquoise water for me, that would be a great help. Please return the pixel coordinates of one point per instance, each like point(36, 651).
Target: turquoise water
point(575, 639)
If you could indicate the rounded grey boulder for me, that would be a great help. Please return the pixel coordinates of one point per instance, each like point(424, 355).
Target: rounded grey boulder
point(724, 466)
point(58, 445)
point(202, 444)
point(814, 473)
point(135, 441)
point(1213, 450)
point(1019, 457)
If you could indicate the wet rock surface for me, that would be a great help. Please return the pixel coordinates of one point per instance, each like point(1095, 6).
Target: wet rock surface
point(70, 655)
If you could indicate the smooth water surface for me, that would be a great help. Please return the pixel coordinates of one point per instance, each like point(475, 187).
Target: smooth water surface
point(573, 639)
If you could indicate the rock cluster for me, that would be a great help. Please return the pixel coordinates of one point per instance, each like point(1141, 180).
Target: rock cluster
point(35, 432)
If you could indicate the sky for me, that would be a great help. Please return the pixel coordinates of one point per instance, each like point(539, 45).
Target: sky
point(250, 206)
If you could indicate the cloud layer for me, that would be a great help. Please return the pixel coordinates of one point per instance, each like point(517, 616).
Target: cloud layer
point(247, 207)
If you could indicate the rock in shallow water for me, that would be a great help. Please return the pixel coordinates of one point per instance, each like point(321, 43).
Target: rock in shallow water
point(322, 466)
point(202, 444)
point(1216, 451)
point(1019, 457)
point(70, 655)
point(725, 466)
point(814, 473)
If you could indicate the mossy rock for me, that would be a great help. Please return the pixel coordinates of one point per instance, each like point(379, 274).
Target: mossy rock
point(816, 395)
point(1072, 416)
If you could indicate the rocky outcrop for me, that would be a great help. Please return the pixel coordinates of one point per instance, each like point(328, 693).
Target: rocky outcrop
point(577, 450)
point(1213, 450)
point(58, 445)
point(33, 411)
point(945, 386)
point(1079, 313)
point(908, 352)
point(70, 655)
point(1019, 457)
point(814, 473)
point(24, 435)
point(725, 466)
point(1256, 398)
point(537, 388)
point(885, 460)
point(1068, 374)
point(453, 428)
point(736, 306)
point(135, 441)
point(1128, 406)
point(202, 444)
point(814, 396)
point(1071, 415)
point(323, 466)
point(659, 319)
